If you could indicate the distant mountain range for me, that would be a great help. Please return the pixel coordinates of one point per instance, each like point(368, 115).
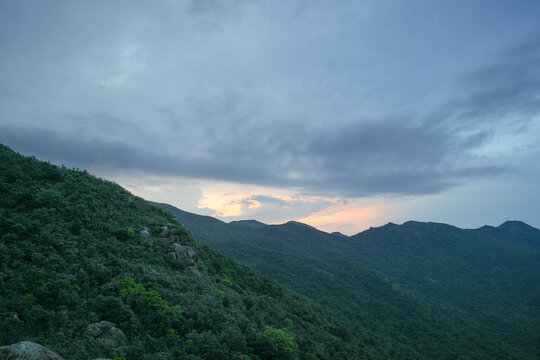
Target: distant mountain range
point(412, 281)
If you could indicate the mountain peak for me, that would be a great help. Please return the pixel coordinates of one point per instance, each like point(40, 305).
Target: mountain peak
point(517, 228)
point(297, 223)
point(248, 223)
point(515, 224)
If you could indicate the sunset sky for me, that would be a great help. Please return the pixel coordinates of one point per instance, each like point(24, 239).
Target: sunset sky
point(339, 114)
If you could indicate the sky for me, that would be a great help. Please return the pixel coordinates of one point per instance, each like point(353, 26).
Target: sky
point(340, 114)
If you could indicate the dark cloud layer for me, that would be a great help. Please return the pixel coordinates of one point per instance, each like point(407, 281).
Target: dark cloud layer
point(505, 91)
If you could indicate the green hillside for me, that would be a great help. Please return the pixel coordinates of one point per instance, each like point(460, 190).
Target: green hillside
point(87, 270)
point(492, 275)
point(473, 293)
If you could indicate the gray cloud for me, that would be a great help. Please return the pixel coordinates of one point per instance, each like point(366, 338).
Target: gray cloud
point(356, 160)
point(295, 96)
point(272, 200)
point(506, 91)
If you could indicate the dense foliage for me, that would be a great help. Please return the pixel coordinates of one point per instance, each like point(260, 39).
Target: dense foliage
point(435, 290)
point(489, 275)
point(72, 254)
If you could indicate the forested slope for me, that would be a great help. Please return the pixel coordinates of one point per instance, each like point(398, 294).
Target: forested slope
point(76, 251)
point(470, 293)
point(490, 274)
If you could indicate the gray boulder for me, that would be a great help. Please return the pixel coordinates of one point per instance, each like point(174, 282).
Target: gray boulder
point(27, 350)
point(145, 232)
point(184, 254)
point(106, 335)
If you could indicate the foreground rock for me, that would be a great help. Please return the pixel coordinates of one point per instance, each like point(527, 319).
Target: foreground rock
point(27, 350)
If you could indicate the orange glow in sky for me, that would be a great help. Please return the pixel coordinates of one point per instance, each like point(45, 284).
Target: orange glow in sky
point(349, 219)
point(230, 201)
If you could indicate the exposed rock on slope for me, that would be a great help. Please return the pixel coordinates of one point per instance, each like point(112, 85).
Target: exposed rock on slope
point(184, 254)
point(27, 350)
point(105, 334)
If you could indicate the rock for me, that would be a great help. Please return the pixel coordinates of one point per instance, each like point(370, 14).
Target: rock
point(27, 350)
point(194, 271)
point(106, 335)
point(145, 232)
point(164, 230)
point(184, 254)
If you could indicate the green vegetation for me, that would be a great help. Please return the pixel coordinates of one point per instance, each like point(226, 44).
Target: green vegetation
point(281, 339)
point(420, 290)
point(128, 288)
point(72, 255)
point(490, 276)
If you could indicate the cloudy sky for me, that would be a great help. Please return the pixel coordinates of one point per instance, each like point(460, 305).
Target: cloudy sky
point(340, 114)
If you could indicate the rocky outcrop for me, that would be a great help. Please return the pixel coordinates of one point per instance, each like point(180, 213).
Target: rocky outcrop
point(27, 350)
point(145, 232)
point(106, 335)
point(184, 254)
point(194, 271)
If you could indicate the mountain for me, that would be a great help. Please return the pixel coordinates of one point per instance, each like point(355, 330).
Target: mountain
point(490, 274)
point(475, 292)
point(247, 223)
point(90, 271)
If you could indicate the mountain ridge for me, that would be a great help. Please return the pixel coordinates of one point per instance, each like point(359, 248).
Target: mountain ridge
point(437, 265)
point(78, 252)
point(504, 224)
